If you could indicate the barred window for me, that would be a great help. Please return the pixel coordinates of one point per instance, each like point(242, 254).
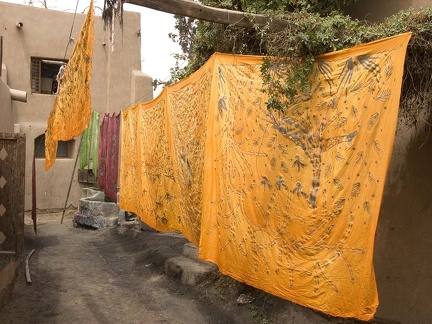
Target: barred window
point(44, 75)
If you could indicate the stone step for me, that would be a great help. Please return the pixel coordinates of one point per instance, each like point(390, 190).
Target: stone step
point(190, 272)
point(191, 251)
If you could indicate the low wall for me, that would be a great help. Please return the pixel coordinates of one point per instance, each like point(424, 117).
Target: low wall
point(7, 278)
point(12, 159)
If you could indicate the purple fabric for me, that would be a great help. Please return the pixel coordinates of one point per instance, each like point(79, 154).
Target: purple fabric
point(34, 213)
point(102, 150)
point(109, 155)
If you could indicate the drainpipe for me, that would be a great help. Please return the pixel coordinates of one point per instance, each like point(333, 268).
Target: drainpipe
point(18, 95)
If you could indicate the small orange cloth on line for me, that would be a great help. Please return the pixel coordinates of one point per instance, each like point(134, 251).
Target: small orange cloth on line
point(287, 202)
point(71, 111)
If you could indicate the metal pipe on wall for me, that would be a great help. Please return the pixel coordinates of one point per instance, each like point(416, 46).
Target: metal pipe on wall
point(18, 95)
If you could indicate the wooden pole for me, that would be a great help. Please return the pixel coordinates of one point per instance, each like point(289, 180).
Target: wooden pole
point(71, 180)
point(8, 252)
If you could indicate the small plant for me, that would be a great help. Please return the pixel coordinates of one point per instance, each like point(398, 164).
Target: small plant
point(219, 291)
point(259, 315)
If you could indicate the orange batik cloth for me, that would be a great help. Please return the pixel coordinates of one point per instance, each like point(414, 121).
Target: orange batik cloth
point(71, 111)
point(287, 202)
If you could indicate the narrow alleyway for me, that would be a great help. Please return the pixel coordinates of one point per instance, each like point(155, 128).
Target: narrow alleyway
point(97, 276)
point(82, 275)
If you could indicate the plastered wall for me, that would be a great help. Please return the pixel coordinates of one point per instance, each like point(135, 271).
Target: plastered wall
point(45, 33)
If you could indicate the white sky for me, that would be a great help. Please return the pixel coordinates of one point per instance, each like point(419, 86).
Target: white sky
point(155, 27)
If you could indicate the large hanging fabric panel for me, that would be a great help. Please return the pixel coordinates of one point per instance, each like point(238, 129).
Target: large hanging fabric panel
point(71, 111)
point(88, 154)
point(108, 155)
point(289, 200)
point(292, 200)
point(147, 183)
point(162, 160)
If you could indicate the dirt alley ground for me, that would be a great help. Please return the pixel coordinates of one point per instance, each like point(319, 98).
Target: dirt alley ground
point(81, 275)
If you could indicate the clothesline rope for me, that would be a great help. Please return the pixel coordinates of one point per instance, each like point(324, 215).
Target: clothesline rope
point(70, 34)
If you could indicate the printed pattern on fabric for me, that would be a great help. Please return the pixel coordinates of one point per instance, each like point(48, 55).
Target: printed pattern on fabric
point(289, 200)
point(71, 111)
point(188, 116)
point(147, 182)
point(162, 160)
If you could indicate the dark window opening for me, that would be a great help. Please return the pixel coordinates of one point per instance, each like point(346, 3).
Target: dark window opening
point(63, 150)
point(44, 75)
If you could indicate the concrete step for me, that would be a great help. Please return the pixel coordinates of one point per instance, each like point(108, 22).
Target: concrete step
point(183, 265)
point(191, 251)
point(190, 272)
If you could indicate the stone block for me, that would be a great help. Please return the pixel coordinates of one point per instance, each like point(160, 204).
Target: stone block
point(97, 208)
point(123, 228)
point(189, 272)
point(191, 251)
point(95, 222)
point(95, 195)
point(96, 213)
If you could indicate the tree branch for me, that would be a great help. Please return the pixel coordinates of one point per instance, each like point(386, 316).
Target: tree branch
point(196, 10)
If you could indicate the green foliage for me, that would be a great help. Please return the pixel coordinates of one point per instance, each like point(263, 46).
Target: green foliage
point(199, 39)
point(310, 35)
point(315, 27)
point(279, 6)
